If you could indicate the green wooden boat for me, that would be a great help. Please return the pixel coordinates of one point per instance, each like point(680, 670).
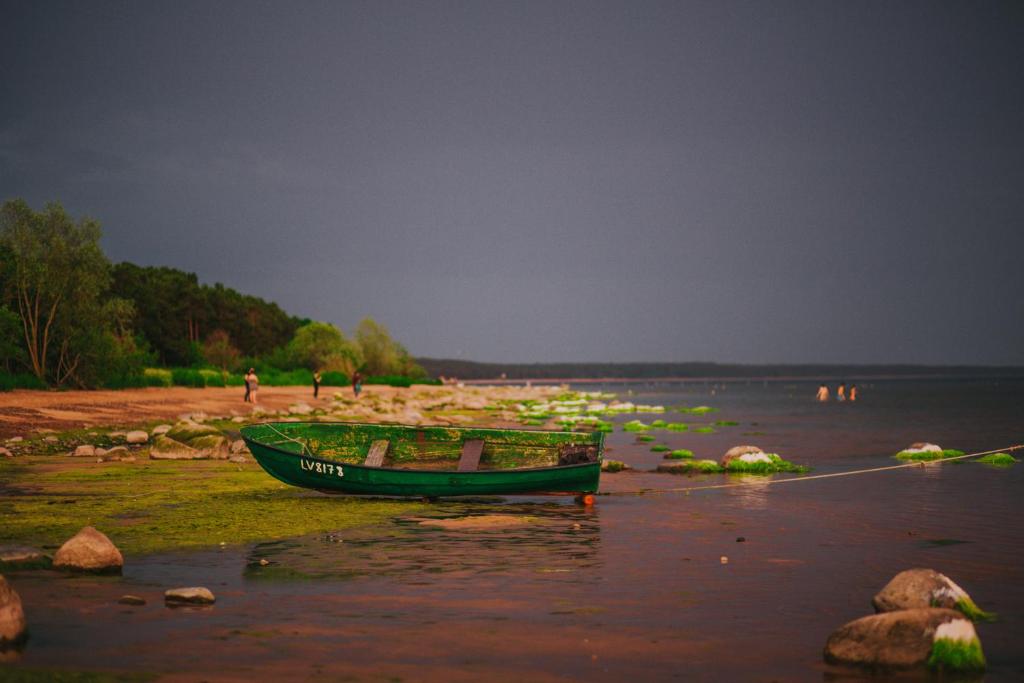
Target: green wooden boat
point(402, 460)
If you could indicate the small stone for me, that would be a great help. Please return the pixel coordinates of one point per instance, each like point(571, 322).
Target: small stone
point(741, 539)
point(128, 458)
point(238, 459)
point(136, 436)
point(238, 420)
point(161, 429)
point(50, 439)
point(238, 446)
point(16, 439)
point(6, 452)
point(195, 595)
point(131, 600)
point(264, 562)
point(12, 616)
point(91, 551)
point(84, 451)
point(723, 559)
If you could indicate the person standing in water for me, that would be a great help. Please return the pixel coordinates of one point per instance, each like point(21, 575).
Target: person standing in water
point(357, 383)
point(253, 382)
point(822, 394)
point(316, 384)
point(841, 392)
point(853, 392)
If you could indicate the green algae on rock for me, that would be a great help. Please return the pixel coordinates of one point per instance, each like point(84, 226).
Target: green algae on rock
point(773, 464)
point(956, 648)
point(697, 410)
point(703, 430)
point(998, 459)
point(677, 427)
point(659, 448)
point(645, 438)
point(686, 466)
point(925, 452)
point(613, 466)
point(679, 454)
point(635, 426)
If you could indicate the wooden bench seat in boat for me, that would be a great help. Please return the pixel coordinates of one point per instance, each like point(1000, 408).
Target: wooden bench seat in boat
point(375, 456)
point(470, 459)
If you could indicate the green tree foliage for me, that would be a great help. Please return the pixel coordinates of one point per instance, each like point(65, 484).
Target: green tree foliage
point(175, 312)
point(322, 346)
point(382, 355)
point(55, 278)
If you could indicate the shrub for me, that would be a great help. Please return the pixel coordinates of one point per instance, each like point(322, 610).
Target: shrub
point(187, 377)
point(157, 377)
point(334, 378)
point(20, 380)
point(399, 380)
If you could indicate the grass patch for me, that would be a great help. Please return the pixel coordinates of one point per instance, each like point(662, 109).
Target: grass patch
point(956, 655)
point(659, 448)
point(679, 454)
point(163, 505)
point(998, 459)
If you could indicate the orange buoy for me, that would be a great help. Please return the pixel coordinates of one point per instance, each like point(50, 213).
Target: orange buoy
point(587, 499)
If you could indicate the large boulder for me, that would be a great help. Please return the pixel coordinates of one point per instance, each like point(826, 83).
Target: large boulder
point(916, 588)
point(737, 453)
point(936, 637)
point(84, 451)
point(186, 430)
point(115, 453)
point(136, 436)
point(166, 448)
point(12, 616)
point(90, 551)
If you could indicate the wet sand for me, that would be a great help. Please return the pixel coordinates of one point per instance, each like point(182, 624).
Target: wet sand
point(633, 588)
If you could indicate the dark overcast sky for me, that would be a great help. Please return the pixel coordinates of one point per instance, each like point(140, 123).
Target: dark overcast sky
point(552, 181)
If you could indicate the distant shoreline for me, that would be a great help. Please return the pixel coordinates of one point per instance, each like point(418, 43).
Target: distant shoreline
point(736, 379)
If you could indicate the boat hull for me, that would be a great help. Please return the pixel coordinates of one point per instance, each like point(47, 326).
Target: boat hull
point(312, 472)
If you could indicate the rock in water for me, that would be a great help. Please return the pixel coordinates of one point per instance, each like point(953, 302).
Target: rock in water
point(166, 448)
point(22, 557)
point(736, 452)
point(195, 595)
point(915, 588)
point(937, 637)
point(134, 600)
point(137, 436)
point(12, 616)
point(91, 551)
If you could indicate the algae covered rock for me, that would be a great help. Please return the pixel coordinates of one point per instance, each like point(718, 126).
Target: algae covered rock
point(191, 595)
point(935, 637)
point(738, 451)
point(166, 448)
point(161, 429)
point(916, 588)
point(84, 451)
point(23, 557)
point(12, 616)
point(926, 451)
point(688, 466)
point(186, 430)
point(89, 551)
point(613, 466)
point(212, 446)
point(679, 454)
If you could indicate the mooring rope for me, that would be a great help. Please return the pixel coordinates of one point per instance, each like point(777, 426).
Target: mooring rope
point(289, 438)
point(766, 482)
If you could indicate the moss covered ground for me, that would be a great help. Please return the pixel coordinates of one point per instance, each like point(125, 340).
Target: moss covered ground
point(152, 506)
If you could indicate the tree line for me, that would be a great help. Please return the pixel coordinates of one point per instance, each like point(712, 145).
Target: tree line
point(70, 318)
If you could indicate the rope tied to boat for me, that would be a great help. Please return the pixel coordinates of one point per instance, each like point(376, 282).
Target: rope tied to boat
point(830, 475)
point(302, 444)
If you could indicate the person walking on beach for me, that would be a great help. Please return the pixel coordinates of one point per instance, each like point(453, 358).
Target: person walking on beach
point(357, 383)
point(822, 394)
point(316, 384)
point(252, 382)
point(853, 392)
point(841, 392)
point(248, 392)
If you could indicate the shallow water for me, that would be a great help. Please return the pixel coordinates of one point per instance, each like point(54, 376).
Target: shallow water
point(633, 587)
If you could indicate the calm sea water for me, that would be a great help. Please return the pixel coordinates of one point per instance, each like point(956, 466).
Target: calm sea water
point(635, 587)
